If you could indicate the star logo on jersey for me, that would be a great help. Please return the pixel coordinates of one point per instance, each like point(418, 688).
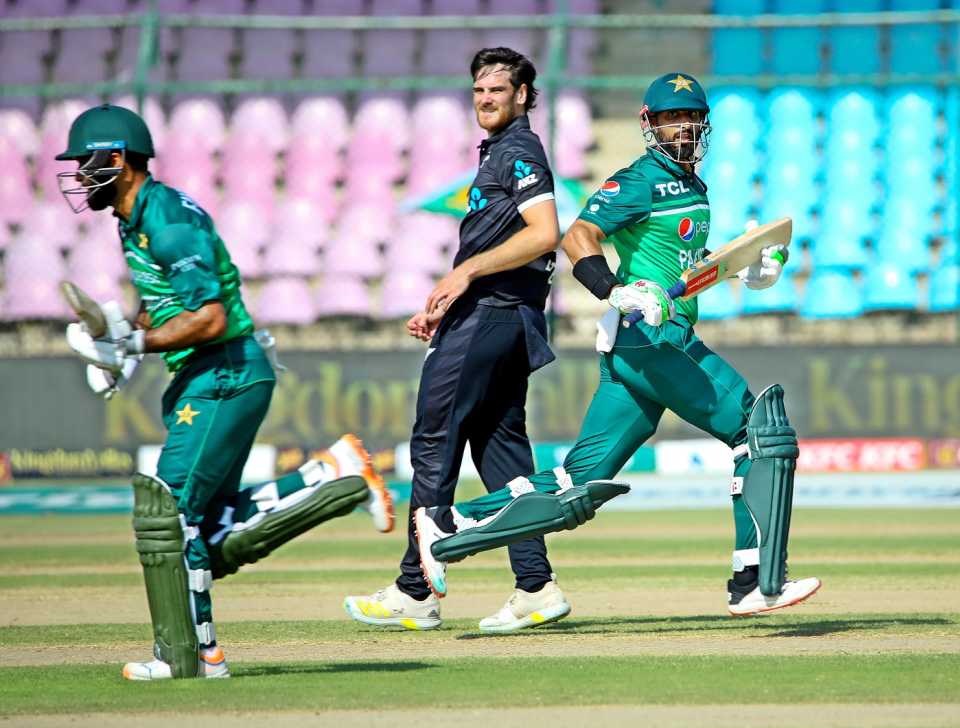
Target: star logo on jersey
point(686, 229)
point(610, 188)
point(144, 241)
point(681, 84)
point(186, 415)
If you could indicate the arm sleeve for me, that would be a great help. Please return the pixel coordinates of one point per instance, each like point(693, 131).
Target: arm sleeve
point(186, 255)
point(624, 199)
point(525, 176)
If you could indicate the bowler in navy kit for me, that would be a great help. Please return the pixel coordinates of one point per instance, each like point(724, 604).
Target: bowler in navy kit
point(486, 330)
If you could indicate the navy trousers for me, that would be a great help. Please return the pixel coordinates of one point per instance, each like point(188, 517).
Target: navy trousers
point(473, 388)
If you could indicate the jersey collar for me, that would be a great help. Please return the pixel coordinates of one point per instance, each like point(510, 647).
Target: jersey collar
point(138, 204)
point(519, 122)
point(676, 170)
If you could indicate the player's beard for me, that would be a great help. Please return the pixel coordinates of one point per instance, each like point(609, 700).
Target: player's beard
point(102, 197)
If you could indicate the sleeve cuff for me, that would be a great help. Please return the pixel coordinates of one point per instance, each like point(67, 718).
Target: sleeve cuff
point(526, 204)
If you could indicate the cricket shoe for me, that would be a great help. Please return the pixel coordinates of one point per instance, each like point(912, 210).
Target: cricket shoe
point(213, 664)
point(390, 607)
point(529, 609)
point(429, 532)
point(743, 602)
point(349, 457)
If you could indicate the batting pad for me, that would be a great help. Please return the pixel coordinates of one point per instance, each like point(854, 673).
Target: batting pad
point(275, 527)
point(160, 544)
point(768, 485)
point(528, 515)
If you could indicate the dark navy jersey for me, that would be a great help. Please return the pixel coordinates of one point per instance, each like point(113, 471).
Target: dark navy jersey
point(513, 176)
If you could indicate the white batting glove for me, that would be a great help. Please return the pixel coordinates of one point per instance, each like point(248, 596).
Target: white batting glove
point(766, 271)
point(645, 296)
point(109, 351)
point(107, 383)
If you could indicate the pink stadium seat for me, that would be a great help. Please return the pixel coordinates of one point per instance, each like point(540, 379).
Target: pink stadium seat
point(286, 300)
point(574, 121)
point(403, 293)
point(18, 129)
point(257, 189)
point(6, 235)
point(199, 122)
point(429, 174)
point(99, 253)
point(352, 256)
point(571, 161)
point(323, 115)
point(407, 253)
point(53, 222)
point(16, 199)
point(262, 119)
point(315, 153)
point(301, 219)
point(373, 150)
point(434, 231)
point(386, 117)
point(290, 256)
point(362, 222)
point(31, 298)
point(245, 229)
point(343, 296)
point(33, 259)
point(316, 187)
point(365, 187)
point(98, 284)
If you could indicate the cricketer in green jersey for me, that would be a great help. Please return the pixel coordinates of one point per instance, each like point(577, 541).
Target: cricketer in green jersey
point(656, 214)
point(193, 522)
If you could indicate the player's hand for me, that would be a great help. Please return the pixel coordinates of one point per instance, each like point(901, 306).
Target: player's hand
point(423, 325)
point(107, 383)
point(766, 271)
point(453, 285)
point(645, 296)
point(105, 352)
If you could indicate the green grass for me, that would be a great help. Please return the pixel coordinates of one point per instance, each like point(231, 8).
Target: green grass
point(488, 682)
point(904, 625)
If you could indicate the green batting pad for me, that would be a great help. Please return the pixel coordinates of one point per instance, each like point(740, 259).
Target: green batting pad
point(336, 498)
point(768, 485)
point(159, 536)
point(530, 514)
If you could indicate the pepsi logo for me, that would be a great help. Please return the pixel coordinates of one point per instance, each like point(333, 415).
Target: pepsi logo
point(686, 229)
point(610, 188)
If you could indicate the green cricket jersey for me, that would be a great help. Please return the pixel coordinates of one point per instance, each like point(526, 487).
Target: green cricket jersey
point(657, 217)
point(178, 263)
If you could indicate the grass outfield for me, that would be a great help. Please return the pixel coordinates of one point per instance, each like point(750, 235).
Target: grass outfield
point(648, 639)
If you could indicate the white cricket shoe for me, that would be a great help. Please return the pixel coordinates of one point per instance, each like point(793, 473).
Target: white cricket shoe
point(213, 664)
point(429, 532)
point(350, 457)
point(529, 609)
point(391, 607)
point(754, 602)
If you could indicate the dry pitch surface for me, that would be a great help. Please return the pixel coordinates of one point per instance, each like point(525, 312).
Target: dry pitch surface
point(648, 640)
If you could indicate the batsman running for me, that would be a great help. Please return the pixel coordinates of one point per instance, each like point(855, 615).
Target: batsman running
point(656, 214)
point(192, 522)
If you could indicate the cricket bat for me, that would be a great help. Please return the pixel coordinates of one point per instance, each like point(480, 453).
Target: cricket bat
point(724, 263)
point(87, 310)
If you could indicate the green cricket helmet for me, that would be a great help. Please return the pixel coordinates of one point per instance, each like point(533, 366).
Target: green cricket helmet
point(94, 136)
point(676, 91)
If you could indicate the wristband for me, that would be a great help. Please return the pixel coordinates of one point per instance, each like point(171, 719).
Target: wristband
point(136, 342)
point(594, 273)
point(781, 256)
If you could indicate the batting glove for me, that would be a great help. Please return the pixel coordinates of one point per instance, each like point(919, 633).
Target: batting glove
point(766, 271)
point(107, 383)
point(645, 296)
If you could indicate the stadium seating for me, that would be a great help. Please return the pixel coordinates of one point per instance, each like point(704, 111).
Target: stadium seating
point(888, 287)
point(831, 294)
point(780, 298)
point(719, 302)
point(945, 289)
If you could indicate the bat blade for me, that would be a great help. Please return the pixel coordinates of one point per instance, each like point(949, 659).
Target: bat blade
point(87, 310)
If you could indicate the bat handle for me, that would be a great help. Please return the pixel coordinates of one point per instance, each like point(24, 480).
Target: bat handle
point(675, 291)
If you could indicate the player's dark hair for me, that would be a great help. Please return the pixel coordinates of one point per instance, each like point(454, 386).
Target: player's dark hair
point(520, 67)
point(137, 162)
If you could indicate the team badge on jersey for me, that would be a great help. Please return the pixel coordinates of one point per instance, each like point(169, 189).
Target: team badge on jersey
point(610, 188)
point(686, 229)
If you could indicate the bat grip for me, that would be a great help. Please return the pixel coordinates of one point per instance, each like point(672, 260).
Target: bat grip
point(675, 291)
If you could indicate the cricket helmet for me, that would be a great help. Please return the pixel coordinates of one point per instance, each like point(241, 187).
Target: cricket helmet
point(676, 91)
point(94, 136)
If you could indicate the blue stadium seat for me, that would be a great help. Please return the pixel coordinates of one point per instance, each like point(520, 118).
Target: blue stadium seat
point(839, 250)
point(912, 215)
point(727, 221)
point(794, 178)
point(914, 48)
point(718, 302)
point(912, 176)
point(854, 49)
point(908, 252)
point(887, 287)
point(729, 177)
point(912, 119)
point(793, 106)
point(852, 178)
point(779, 298)
point(796, 50)
point(776, 206)
point(738, 50)
point(831, 294)
point(735, 107)
point(853, 108)
point(850, 217)
point(945, 289)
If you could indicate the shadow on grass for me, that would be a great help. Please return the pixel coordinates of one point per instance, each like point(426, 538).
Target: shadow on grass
point(331, 667)
point(760, 626)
